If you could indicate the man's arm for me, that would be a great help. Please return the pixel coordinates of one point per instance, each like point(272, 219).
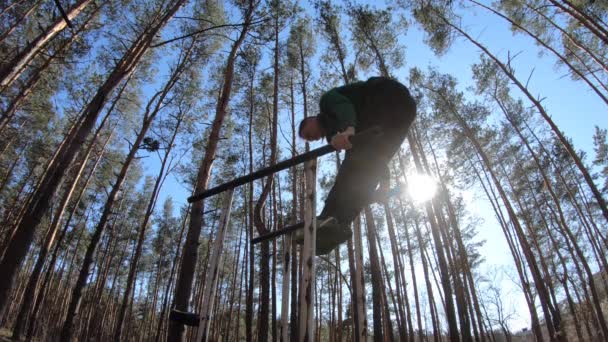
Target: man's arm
point(341, 141)
point(339, 107)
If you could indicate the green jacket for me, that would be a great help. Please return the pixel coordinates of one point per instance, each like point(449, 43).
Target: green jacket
point(358, 104)
point(340, 108)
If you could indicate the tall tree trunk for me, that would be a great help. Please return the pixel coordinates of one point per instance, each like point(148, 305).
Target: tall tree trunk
point(307, 284)
point(571, 38)
point(11, 71)
point(553, 323)
point(565, 230)
point(377, 286)
point(439, 248)
point(46, 283)
point(561, 57)
point(582, 18)
point(293, 323)
point(429, 285)
point(250, 210)
point(399, 281)
point(353, 292)
point(20, 19)
point(231, 299)
point(338, 279)
point(174, 264)
point(421, 247)
point(21, 210)
point(273, 277)
point(411, 262)
point(260, 225)
point(457, 262)
point(36, 75)
point(105, 266)
point(151, 204)
point(397, 307)
point(494, 201)
point(8, 176)
point(24, 233)
point(361, 332)
point(237, 330)
point(285, 288)
point(183, 286)
point(30, 291)
point(212, 273)
point(73, 307)
point(562, 139)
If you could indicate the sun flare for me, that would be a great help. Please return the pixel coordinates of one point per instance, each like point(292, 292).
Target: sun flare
point(421, 187)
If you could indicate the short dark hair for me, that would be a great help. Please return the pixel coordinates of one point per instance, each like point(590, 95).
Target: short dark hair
point(302, 123)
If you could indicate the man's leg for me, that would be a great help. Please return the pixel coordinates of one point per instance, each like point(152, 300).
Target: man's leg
point(355, 185)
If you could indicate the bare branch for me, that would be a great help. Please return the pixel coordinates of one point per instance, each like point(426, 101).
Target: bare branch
point(205, 30)
point(63, 14)
point(529, 77)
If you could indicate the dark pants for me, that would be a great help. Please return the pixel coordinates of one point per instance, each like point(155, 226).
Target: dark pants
point(390, 106)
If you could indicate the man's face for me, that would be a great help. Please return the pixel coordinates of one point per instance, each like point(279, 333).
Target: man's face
point(312, 130)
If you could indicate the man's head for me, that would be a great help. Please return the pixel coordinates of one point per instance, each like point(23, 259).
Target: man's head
point(310, 129)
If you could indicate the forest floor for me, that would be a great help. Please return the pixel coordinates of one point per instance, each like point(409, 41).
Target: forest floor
point(5, 335)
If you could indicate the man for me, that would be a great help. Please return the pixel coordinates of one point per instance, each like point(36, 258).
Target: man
point(378, 102)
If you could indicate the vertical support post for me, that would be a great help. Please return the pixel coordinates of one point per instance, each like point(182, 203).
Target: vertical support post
point(285, 288)
point(212, 275)
point(306, 319)
point(361, 334)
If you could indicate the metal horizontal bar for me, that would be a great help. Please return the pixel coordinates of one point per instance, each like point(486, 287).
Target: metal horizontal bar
point(285, 164)
point(278, 232)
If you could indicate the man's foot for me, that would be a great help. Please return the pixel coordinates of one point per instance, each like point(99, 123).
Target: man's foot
point(330, 234)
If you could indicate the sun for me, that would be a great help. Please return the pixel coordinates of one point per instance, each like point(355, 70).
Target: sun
point(421, 187)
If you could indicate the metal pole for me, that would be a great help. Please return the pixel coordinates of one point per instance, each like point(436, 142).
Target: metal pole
point(306, 318)
point(285, 164)
point(212, 275)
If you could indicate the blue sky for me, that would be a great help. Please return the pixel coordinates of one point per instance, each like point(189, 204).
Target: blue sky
point(573, 106)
